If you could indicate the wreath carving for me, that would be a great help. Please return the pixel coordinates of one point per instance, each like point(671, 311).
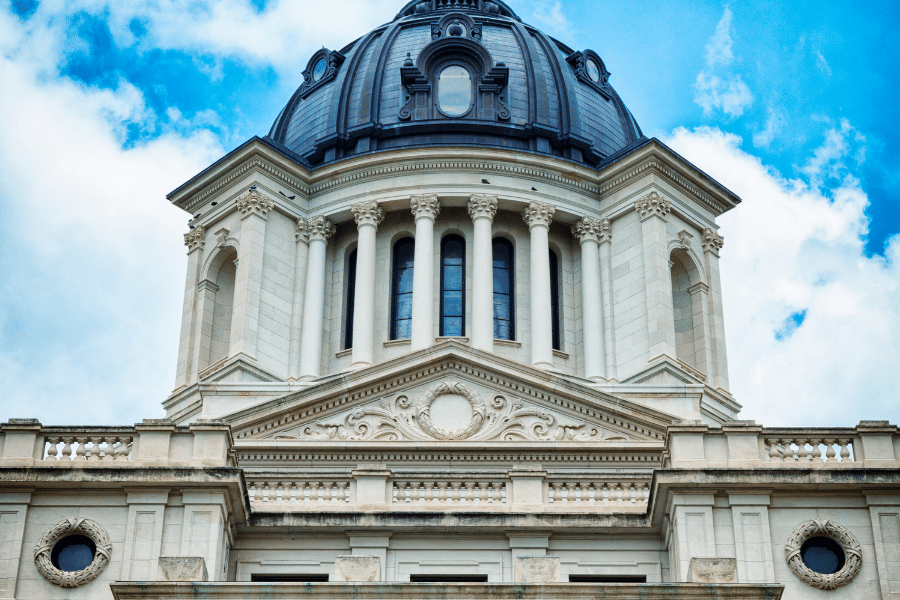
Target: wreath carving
point(72, 526)
point(423, 408)
point(831, 530)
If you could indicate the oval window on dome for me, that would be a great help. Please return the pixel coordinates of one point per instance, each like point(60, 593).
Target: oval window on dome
point(593, 71)
point(319, 69)
point(455, 91)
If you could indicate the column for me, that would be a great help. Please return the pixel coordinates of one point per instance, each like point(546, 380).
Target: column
point(609, 313)
point(712, 244)
point(301, 256)
point(319, 229)
point(368, 216)
point(587, 230)
point(254, 209)
point(482, 209)
point(425, 209)
point(194, 239)
point(652, 210)
point(538, 216)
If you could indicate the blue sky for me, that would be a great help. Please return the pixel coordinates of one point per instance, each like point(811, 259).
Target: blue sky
point(111, 105)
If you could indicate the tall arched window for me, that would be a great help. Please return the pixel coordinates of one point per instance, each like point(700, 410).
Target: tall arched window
point(350, 294)
point(402, 294)
point(453, 286)
point(554, 300)
point(222, 274)
point(504, 308)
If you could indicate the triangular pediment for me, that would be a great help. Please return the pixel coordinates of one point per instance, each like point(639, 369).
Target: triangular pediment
point(451, 393)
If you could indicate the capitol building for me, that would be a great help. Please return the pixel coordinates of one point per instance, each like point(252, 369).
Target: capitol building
point(452, 330)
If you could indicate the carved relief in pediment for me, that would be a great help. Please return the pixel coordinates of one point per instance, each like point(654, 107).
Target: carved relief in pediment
point(451, 411)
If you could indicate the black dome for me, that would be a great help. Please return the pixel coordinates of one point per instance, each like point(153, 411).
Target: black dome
point(455, 72)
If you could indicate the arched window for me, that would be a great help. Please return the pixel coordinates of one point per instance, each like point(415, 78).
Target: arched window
point(504, 308)
point(402, 294)
point(454, 92)
point(222, 274)
point(554, 300)
point(688, 334)
point(350, 294)
point(453, 286)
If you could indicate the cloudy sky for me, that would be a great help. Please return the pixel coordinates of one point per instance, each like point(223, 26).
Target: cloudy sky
point(107, 106)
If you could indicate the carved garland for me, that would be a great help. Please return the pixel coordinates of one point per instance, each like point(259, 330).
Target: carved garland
point(831, 530)
point(63, 529)
point(423, 408)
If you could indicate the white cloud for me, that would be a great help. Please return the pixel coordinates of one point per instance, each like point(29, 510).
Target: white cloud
point(822, 64)
point(550, 16)
point(730, 96)
point(828, 161)
point(718, 50)
point(775, 121)
point(719, 87)
point(791, 248)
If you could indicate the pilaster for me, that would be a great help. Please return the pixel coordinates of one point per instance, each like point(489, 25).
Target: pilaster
point(693, 530)
point(712, 243)
point(652, 210)
point(13, 514)
point(752, 537)
point(482, 209)
point(609, 316)
point(143, 534)
point(195, 239)
point(301, 258)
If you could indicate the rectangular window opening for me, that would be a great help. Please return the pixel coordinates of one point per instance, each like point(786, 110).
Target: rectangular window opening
point(457, 578)
point(283, 578)
point(607, 579)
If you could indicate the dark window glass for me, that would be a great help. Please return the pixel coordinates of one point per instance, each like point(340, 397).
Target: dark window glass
point(351, 300)
point(554, 299)
point(504, 309)
point(822, 555)
point(401, 310)
point(73, 553)
point(453, 286)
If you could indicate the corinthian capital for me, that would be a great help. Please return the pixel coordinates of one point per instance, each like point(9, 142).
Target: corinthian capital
point(587, 230)
point(254, 203)
point(195, 238)
point(712, 241)
point(482, 205)
point(302, 233)
point(425, 206)
point(367, 213)
point(538, 214)
point(653, 205)
point(318, 228)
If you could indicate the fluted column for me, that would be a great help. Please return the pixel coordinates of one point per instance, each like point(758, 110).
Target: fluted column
point(319, 229)
point(301, 257)
point(609, 313)
point(194, 239)
point(538, 216)
point(587, 230)
point(425, 209)
point(652, 210)
point(482, 209)
point(368, 216)
point(712, 243)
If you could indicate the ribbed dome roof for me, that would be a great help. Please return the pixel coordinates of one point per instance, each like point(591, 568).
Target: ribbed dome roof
point(455, 72)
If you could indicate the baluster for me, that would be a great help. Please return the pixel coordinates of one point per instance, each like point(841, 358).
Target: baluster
point(343, 496)
point(106, 452)
point(279, 492)
point(81, 450)
point(327, 495)
point(292, 493)
point(555, 494)
point(482, 492)
point(632, 493)
point(257, 493)
point(570, 493)
point(816, 454)
point(395, 493)
point(313, 492)
point(442, 491)
point(605, 493)
point(801, 450)
point(497, 489)
point(415, 495)
point(470, 492)
point(829, 451)
point(592, 494)
point(845, 451)
point(429, 492)
point(455, 485)
point(619, 493)
point(50, 449)
point(302, 494)
point(773, 450)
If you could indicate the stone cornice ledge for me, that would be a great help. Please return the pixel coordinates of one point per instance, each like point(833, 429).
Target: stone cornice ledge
point(446, 591)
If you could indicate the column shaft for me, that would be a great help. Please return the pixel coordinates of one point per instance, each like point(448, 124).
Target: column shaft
point(538, 215)
point(425, 209)
point(587, 230)
point(320, 229)
point(482, 210)
point(368, 215)
point(301, 258)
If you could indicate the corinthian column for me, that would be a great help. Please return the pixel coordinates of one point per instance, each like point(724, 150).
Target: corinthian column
point(368, 216)
point(425, 209)
point(538, 216)
point(587, 230)
point(482, 209)
point(319, 229)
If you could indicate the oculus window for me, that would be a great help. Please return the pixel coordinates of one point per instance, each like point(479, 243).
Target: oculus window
point(73, 553)
point(593, 70)
point(454, 91)
point(504, 310)
point(453, 286)
point(319, 69)
point(402, 296)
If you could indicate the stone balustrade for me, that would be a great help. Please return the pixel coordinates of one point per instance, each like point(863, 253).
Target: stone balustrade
point(573, 492)
point(156, 443)
point(744, 444)
point(469, 492)
point(293, 494)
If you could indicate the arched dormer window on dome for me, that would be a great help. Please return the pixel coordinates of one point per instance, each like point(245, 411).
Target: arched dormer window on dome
point(454, 76)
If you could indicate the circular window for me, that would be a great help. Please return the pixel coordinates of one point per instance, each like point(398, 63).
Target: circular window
point(593, 70)
point(73, 553)
point(319, 70)
point(823, 554)
point(454, 91)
